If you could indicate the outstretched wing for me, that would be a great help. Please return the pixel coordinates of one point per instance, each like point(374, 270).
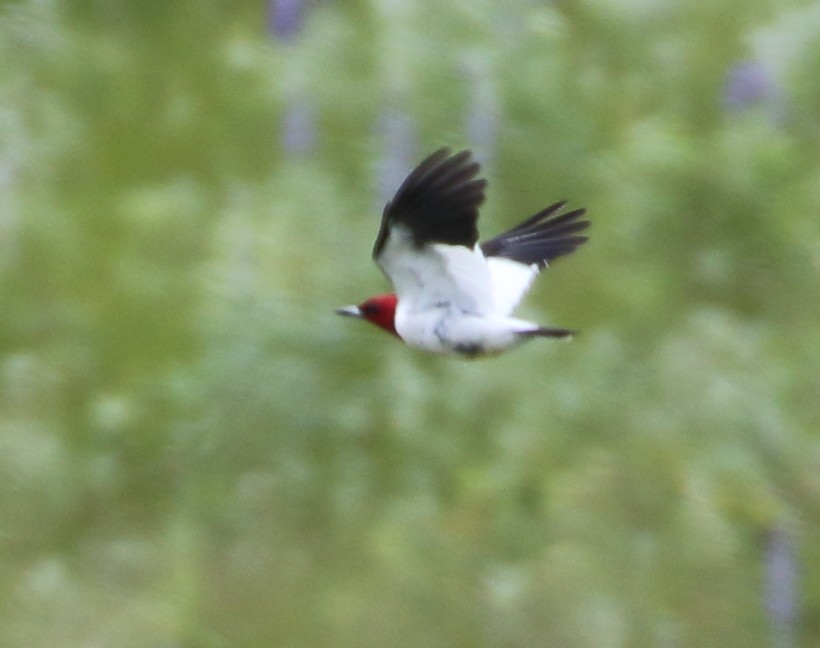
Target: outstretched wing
point(427, 240)
point(517, 256)
point(437, 203)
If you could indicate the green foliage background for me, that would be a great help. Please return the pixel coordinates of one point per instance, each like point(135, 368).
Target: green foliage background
point(194, 451)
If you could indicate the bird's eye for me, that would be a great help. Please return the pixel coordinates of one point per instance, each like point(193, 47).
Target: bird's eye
point(370, 309)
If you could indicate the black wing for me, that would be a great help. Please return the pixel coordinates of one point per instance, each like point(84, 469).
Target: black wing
point(438, 202)
point(541, 238)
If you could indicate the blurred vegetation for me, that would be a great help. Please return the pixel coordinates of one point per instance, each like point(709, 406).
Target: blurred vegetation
point(194, 451)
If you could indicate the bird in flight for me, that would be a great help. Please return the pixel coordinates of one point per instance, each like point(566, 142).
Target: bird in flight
point(453, 295)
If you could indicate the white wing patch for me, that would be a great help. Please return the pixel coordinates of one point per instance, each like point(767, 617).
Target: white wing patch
point(511, 281)
point(437, 274)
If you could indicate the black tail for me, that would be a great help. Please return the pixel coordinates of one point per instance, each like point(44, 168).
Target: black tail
point(541, 238)
point(548, 331)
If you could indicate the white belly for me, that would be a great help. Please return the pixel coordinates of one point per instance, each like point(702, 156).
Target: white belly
point(443, 330)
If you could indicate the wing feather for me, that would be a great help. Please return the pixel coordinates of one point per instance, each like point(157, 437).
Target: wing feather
point(427, 240)
point(437, 203)
point(541, 238)
point(516, 257)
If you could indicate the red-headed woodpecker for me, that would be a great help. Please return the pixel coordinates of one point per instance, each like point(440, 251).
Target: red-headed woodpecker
point(452, 294)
